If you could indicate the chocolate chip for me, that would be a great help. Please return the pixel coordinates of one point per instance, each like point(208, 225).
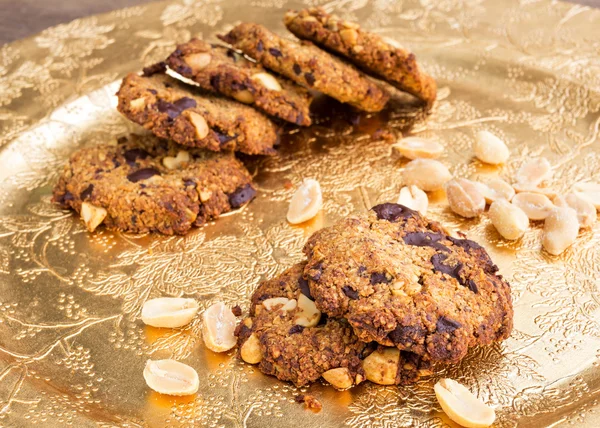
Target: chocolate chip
point(67, 196)
point(275, 52)
point(167, 107)
point(314, 273)
point(259, 46)
point(225, 138)
point(183, 69)
point(406, 334)
point(215, 81)
point(299, 398)
point(185, 103)
point(379, 278)
point(242, 330)
point(230, 54)
point(310, 78)
point(472, 286)
point(297, 69)
point(322, 320)
point(159, 67)
point(142, 174)
point(236, 310)
point(362, 269)
point(86, 193)
point(474, 249)
point(350, 292)
point(304, 288)
point(241, 196)
point(153, 91)
point(296, 329)
point(189, 182)
point(425, 239)
point(453, 271)
point(173, 110)
point(446, 325)
point(132, 155)
point(393, 212)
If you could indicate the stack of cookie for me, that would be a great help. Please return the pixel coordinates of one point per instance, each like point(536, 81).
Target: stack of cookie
point(188, 174)
point(384, 296)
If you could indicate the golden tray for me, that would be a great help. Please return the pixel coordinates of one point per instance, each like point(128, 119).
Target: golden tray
point(72, 348)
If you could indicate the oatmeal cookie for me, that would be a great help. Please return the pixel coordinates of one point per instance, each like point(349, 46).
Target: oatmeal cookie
point(289, 340)
point(368, 51)
point(146, 184)
point(401, 280)
point(309, 66)
point(222, 70)
point(194, 118)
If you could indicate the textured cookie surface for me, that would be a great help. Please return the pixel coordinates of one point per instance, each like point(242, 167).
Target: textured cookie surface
point(300, 354)
point(222, 70)
point(182, 113)
point(368, 51)
point(130, 180)
point(309, 66)
point(401, 280)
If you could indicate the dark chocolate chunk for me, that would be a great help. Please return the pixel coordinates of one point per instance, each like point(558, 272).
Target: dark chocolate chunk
point(133, 155)
point(323, 319)
point(474, 249)
point(304, 289)
point(296, 329)
point(472, 286)
point(350, 292)
point(167, 107)
point(223, 138)
point(310, 78)
point(214, 81)
point(259, 46)
point(368, 350)
point(446, 325)
point(453, 271)
point(362, 269)
point(159, 67)
point(86, 193)
point(242, 195)
point(393, 212)
point(380, 278)
point(297, 69)
point(315, 272)
point(185, 103)
point(189, 182)
point(406, 334)
point(275, 52)
point(67, 196)
point(426, 239)
point(142, 174)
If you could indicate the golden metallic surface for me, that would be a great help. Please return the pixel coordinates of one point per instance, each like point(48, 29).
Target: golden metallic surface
point(72, 347)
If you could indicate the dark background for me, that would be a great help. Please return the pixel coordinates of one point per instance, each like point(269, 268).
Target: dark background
point(22, 18)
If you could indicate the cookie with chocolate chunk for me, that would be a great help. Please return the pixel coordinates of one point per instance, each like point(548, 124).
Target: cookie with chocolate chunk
point(368, 51)
point(289, 338)
point(144, 184)
point(309, 66)
point(194, 118)
point(402, 280)
point(222, 70)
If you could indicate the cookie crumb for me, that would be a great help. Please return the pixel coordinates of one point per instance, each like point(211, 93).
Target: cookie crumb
point(310, 402)
point(237, 310)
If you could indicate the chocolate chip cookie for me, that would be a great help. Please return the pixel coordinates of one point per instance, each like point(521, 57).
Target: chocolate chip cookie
point(194, 118)
point(309, 66)
point(368, 51)
point(401, 280)
point(143, 184)
point(289, 338)
point(222, 70)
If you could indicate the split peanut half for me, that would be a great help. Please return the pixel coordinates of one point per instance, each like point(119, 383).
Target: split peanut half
point(586, 211)
point(171, 377)
point(560, 230)
point(169, 312)
point(414, 198)
point(495, 189)
point(509, 220)
point(464, 197)
point(416, 148)
point(490, 149)
point(462, 406)
point(426, 174)
point(535, 205)
point(218, 328)
point(306, 202)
